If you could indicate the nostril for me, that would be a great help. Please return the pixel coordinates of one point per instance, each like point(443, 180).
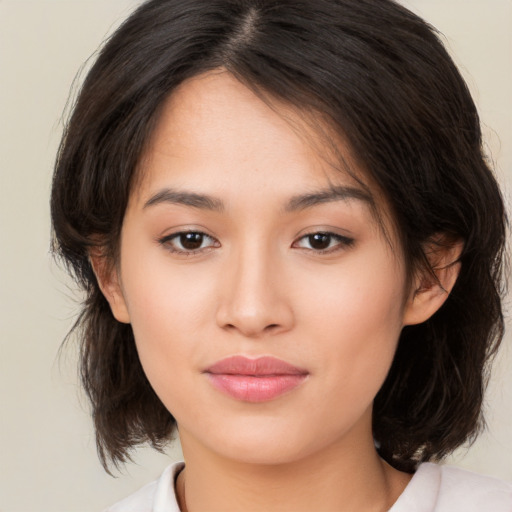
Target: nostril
point(252, 330)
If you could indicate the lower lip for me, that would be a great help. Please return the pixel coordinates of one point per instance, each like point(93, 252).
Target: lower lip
point(249, 388)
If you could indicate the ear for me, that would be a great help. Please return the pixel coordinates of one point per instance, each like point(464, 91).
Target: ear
point(430, 289)
point(108, 280)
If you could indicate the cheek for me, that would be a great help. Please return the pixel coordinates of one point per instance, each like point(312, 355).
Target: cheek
point(356, 320)
point(364, 296)
point(169, 307)
point(159, 292)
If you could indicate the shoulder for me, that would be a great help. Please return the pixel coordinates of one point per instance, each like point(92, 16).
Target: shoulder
point(436, 488)
point(157, 495)
point(470, 491)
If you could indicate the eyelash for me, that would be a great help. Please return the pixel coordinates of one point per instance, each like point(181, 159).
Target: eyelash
point(342, 242)
point(167, 241)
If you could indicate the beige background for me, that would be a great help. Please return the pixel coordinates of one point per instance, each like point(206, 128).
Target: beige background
point(47, 453)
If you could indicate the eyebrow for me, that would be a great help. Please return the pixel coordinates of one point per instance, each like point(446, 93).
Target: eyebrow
point(200, 201)
point(296, 203)
point(329, 195)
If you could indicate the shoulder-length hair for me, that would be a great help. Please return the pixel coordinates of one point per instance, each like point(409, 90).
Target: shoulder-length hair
point(382, 78)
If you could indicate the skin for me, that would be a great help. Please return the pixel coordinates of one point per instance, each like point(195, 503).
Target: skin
point(257, 285)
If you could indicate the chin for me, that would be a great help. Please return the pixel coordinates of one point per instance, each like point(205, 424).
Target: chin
point(268, 442)
point(264, 454)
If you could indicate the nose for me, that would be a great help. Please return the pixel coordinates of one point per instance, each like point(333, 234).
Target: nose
point(253, 299)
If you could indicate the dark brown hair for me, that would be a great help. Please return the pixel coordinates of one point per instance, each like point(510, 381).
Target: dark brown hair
point(380, 75)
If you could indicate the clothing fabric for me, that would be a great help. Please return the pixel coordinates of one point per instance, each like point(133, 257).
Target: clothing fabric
point(433, 488)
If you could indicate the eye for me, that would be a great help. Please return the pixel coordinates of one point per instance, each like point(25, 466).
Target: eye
point(322, 242)
point(188, 242)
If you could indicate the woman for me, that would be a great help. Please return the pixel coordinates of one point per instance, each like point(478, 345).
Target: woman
point(291, 246)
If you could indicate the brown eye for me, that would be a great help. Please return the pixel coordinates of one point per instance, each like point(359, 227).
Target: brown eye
point(319, 241)
point(188, 242)
point(322, 242)
point(191, 241)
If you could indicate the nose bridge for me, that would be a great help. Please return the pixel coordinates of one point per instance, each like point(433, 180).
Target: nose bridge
point(253, 303)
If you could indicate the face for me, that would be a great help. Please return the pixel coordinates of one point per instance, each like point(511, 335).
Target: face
point(265, 300)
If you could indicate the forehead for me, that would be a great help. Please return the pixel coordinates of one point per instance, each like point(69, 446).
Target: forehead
point(218, 136)
point(213, 121)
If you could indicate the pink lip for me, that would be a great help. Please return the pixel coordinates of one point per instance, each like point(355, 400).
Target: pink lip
point(254, 380)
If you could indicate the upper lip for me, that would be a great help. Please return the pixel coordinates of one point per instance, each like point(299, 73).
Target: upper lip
point(262, 366)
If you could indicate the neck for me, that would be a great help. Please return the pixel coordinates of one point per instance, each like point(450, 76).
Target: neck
point(337, 478)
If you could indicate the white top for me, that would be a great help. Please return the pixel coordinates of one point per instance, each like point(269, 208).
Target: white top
point(433, 488)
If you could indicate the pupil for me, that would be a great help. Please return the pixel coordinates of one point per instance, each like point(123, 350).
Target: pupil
point(191, 241)
point(319, 241)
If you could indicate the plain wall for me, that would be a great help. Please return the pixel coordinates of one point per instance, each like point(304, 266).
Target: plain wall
point(47, 455)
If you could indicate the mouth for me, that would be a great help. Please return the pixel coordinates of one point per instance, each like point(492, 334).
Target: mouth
point(255, 380)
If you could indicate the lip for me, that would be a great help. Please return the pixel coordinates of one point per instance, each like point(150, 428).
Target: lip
point(255, 380)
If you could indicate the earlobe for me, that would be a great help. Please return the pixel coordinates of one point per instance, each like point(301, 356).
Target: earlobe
point(430, 290)
point(109, 283)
